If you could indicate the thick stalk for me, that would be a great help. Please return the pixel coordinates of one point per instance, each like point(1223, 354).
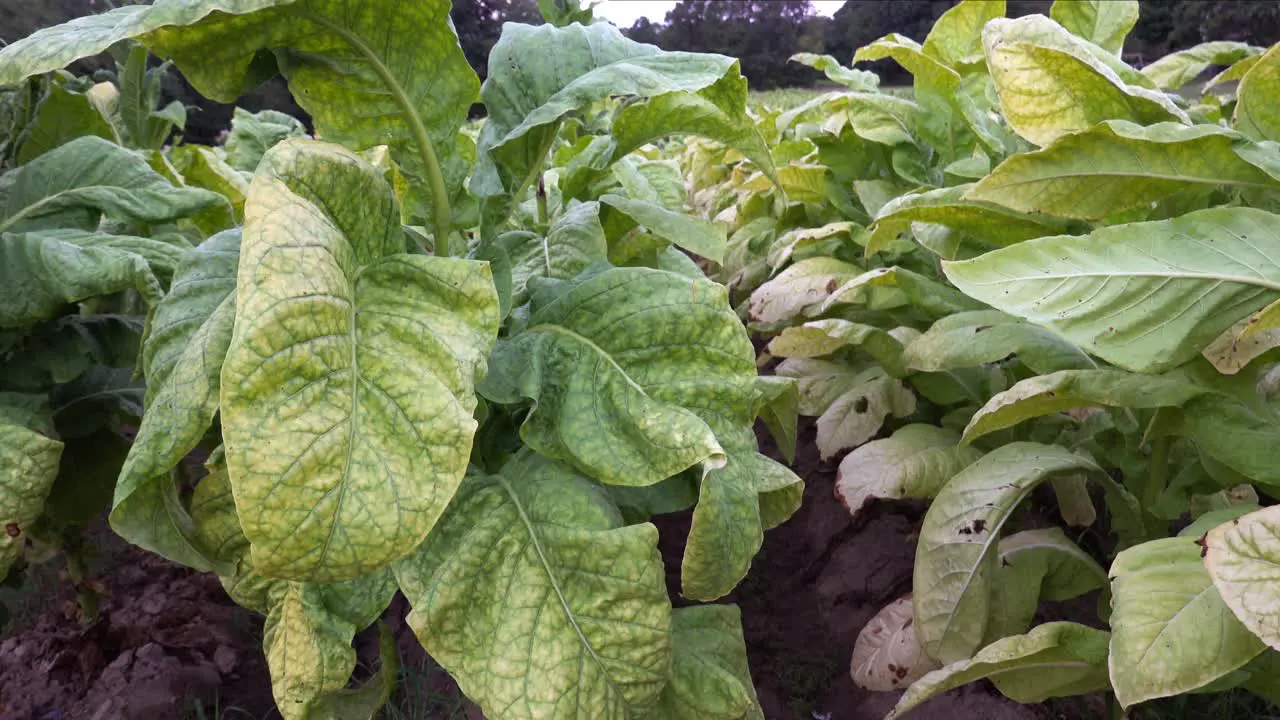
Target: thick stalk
point(542, 201)
point(435, 176)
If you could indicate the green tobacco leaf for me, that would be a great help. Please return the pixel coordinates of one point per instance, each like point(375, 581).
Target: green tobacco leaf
point(202, 167)
point(373, 73)
point(1197, 274)
point(780, 411)
point(1116, 166)
point(954, 342)
point(886, 655)
point(1037, 565)
point(698, 236)
point(28, 466)
point(806, 242)
point(1040, 72)
point(1053, 660)
point(62, 116)
point(40, 272)
point(307, 638)
point(1234, 73)
point(710, 679)
point(859, 413)
point(1177, 69)
point(182, 360)
point(818, 382)
point(253, 134)
point(1240, 556)
point(352, 365)
point(956, 37)
point(1255, 113)
point(1047, 394)
point(876, 117)
point(736, 504)
point(859, 80)
point(1104, 23)
point(805, 283)
point(950, 207)
point(619, 364)
point(1171, 631)
point(1235, 434)
point(823, 337)
point(527, 97)
point(74, 185)
point(915, 462)
point(574, 242)
point(956, 559)
point(570, 619)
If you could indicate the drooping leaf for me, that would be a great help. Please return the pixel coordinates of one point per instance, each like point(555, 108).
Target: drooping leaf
point(574, 242)
point(63, 116)
point(973, 339)
point(1047, 394)
point(1104, 23)
point(915, 462)
point(74, 185)
point(42, 271)
point(823, 337)
point(859, 80)
point(805, 283)
point(182, 359)
point(886, 655)
point(859, 413)
point(568, 619)
point(1240, 557)
point(935, 298)
point(956, 559)
point(710, 679)
point(1040, 70)
point(1234, 434)
point(950, 207)
point(202, 167)
point(1116, 166)
point(1053, 660)
point(1171, 632)
point(819, 382)
point(1197, 274)
point(28, 466)
point(1037, 565)
point(695, 235)
point(802, 242)
point(1177, 69)
point(1255, 113)
point(351, 365)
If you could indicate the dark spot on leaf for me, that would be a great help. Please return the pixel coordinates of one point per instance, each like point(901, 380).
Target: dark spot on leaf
point(860, 405)
point(907, 624)
point(900, 672)
point(893, 668)
point(980, 328)
point(1203, 542)
point(965, 530)
point(979, 525)
point(12, 530)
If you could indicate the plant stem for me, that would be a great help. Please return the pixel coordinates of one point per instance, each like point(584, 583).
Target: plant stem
point(1157, 473)
point(542, 200)
point(435, 176)
point(85, 595)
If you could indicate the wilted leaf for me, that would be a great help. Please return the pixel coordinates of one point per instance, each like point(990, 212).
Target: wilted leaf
point(915, 462)
point(886, 655)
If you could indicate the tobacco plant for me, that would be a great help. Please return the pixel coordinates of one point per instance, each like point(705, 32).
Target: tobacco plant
point(1045, 268)
point(465, 366)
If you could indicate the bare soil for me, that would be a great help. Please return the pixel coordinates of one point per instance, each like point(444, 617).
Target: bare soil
point(171, 644)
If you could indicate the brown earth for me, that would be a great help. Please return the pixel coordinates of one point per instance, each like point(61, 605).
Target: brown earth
point(171, 640)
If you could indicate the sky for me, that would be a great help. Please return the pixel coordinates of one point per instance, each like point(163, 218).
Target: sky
point(624, 13)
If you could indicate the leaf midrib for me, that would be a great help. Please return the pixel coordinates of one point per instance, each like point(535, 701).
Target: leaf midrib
point(1238, 279)
point(1192, 179)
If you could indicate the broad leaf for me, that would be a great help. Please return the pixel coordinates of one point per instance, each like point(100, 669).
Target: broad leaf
point(886, 655)
point(1053, 660)
point(915, 462)
point(1256, 114)
point(1054, 393)
point(1240, 556)
point(1177, 69)
point(253, 134)
point(710, 679)
point(40, 272)
point(1171, 632)
point(28, 465)
point(950, 207)
point(1241, 437)
point(351, 365)
point(973, 339)
point(859, 413)
point(1041, 71)
point(1198, 274)
point(956, 37)
point(74, 185)
point(1037, 565)
point(803, 284)
point(695, 235)
point(1104, 23)
point(859, 80)
point(934, 298)
point(182, 359)
point(956, 559)
point(1116, 166)
point(569, 618)
point(63, 116)
point(823, 337)
point(574, 242)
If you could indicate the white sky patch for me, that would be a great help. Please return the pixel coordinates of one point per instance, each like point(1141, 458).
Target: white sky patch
point(624, 13)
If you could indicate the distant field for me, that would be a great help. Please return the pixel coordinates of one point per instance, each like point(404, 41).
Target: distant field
point(787, 98)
